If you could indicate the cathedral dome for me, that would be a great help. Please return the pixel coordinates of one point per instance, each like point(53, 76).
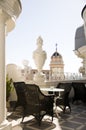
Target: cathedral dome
point(56, 54)
point(56, 60)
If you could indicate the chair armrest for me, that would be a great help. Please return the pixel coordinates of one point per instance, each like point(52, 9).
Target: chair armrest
point(50, 95)
point(49, 98)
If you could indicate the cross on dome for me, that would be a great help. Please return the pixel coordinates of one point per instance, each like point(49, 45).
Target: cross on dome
point(56, 47)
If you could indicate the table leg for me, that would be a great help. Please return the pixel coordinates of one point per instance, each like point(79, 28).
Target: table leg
point(55, 107)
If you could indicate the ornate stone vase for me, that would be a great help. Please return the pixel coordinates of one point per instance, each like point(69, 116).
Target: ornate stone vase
point(39, 56)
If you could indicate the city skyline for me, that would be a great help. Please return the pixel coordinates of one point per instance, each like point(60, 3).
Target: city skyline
point(56, 22)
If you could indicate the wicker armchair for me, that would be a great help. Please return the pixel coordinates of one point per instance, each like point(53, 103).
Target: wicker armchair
point(20, 88)
point(63, 100)
point(34, 102)
point(80, 91)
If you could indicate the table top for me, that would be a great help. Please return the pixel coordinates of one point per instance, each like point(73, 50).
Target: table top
point(52, 89)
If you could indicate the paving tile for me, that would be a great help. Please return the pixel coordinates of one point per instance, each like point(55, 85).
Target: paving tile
point(70, 124)
point(76, 120)
point(79, 120)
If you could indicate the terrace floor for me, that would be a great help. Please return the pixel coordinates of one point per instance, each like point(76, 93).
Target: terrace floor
point(76, 120)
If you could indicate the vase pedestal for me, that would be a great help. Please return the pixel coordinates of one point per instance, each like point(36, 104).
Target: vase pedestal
point(39, 56)
point(39, 77)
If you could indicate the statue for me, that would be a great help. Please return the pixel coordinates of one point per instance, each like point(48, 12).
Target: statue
point(39, 57)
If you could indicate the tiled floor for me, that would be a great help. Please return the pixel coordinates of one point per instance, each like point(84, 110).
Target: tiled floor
point(76, 120)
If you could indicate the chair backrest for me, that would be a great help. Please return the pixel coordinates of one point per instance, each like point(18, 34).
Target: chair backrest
point(36, 101)
point(67, 88)
point(64, 96)
point(20, 91)
point(80, 91)
point(33, 93)
point(37, 104)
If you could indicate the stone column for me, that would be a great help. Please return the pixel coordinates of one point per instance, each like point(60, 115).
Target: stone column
point(9, 11)
point(2, 67)
point(3, 121)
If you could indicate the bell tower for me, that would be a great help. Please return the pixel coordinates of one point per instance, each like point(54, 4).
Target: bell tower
point(57, 66)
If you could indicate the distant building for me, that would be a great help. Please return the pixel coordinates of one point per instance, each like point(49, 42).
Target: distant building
point(56, 66)
point(55, 72)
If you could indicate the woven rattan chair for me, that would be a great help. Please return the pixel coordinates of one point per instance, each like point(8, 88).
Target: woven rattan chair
point(34, 101)
point(20, 91)
point(63, 100)
point(79, 92)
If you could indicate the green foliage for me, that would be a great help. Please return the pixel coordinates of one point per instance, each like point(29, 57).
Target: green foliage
point(9, 87)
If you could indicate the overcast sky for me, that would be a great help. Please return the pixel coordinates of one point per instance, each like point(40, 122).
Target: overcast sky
point(56, 22)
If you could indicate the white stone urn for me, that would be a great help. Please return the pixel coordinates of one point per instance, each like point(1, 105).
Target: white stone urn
point(39, 56)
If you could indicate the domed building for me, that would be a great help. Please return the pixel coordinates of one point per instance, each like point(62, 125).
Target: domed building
point(56, 66)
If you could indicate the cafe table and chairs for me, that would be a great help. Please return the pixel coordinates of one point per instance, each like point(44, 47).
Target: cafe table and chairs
point(53, 90)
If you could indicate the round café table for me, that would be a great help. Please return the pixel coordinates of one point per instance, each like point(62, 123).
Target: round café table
point(53, 90)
